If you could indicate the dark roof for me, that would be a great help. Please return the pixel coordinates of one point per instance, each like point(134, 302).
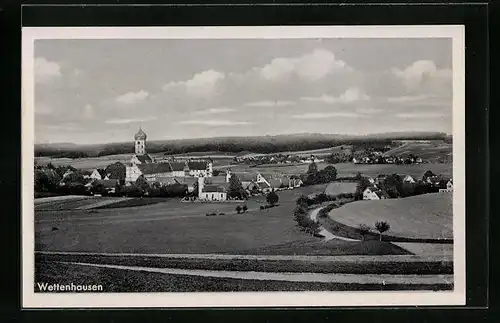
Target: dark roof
point(381, 193)
point(140, 135)
point(144, 158)
point(177, 166)
point(106, 183)
point(276, 182)
point(197, 165)
point(155, 168)
point(215, 179)
point(262, 185)
point(245, 177)
point(116, 171)
point(189, 181)
point(219, 188)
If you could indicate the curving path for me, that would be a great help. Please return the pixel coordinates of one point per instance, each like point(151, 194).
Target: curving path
point(327, 234)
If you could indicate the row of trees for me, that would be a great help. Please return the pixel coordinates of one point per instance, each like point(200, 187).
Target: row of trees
point(301, 216)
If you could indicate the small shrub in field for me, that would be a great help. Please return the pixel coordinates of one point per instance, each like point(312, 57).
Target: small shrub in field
point(238, 209)
point(244, 208)
point(222, 213)
point(262, 207)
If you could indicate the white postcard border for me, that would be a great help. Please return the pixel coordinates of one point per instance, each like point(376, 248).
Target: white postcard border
point(30, 299)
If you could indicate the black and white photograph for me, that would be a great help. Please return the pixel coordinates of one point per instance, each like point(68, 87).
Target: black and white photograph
point(243, 166)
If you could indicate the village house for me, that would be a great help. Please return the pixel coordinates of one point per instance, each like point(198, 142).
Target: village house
point(372, 193)
point(449, 187)
point(210, 191)
point(95, 174)
point(109, 185)
point(407, 179)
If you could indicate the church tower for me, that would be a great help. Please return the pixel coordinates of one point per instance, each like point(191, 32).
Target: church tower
point(140, 142)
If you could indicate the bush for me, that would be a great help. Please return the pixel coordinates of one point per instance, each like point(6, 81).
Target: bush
point(262, 207)
point(244, 208)
point(363, 229)
point(304, 222)
point(272, 198)
point(238, 209)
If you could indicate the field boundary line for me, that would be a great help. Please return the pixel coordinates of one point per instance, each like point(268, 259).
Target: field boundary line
point(346, 258)
point(382, 279)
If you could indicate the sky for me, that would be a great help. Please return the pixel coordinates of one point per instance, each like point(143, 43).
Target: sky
point(97, 91)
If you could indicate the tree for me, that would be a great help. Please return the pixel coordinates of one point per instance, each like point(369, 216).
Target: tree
point(364, 230)
point(382, 226)
point(272, 198)
point(244, 208)
point(215, 172)
point(313, 169)
point(358, 176)
point(238, 209)
point(428, 174)
point(235, 188)
point(303, 201)
point(142, 184)
point(329, 174)
point(393, 185)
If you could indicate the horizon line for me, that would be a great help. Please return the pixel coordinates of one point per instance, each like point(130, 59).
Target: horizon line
point(258, 136)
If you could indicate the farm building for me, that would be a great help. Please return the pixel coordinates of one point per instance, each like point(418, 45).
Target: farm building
point(212, 192)
point(407, 179)
point(372, 193)
point(449, 187)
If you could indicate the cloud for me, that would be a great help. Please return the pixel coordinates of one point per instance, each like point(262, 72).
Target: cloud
point(323, 115)
point(276, 103)
point(349, 96)
point(313, 66)
point(201, 84)
point(420, 115)
point(421, 73)
point(368, 110)
point(126, 121)
point(214, 111)
point(408, 98)
point(88, 111)
point(132, 97)
point(46, 70)
point(215, 122)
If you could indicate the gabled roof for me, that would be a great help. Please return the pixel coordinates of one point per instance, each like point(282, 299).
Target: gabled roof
point(197, 165)
point(155, 168)
point(218, 188)
point(189, 181)
point(215, 179)
point(106, 183)
point(275, 182)
point(245, 177)
point(144, 158)
point(177, 166)
point(262, 185)
point(382, 194)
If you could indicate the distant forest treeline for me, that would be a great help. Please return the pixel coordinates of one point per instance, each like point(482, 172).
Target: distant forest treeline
point(264, 144)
